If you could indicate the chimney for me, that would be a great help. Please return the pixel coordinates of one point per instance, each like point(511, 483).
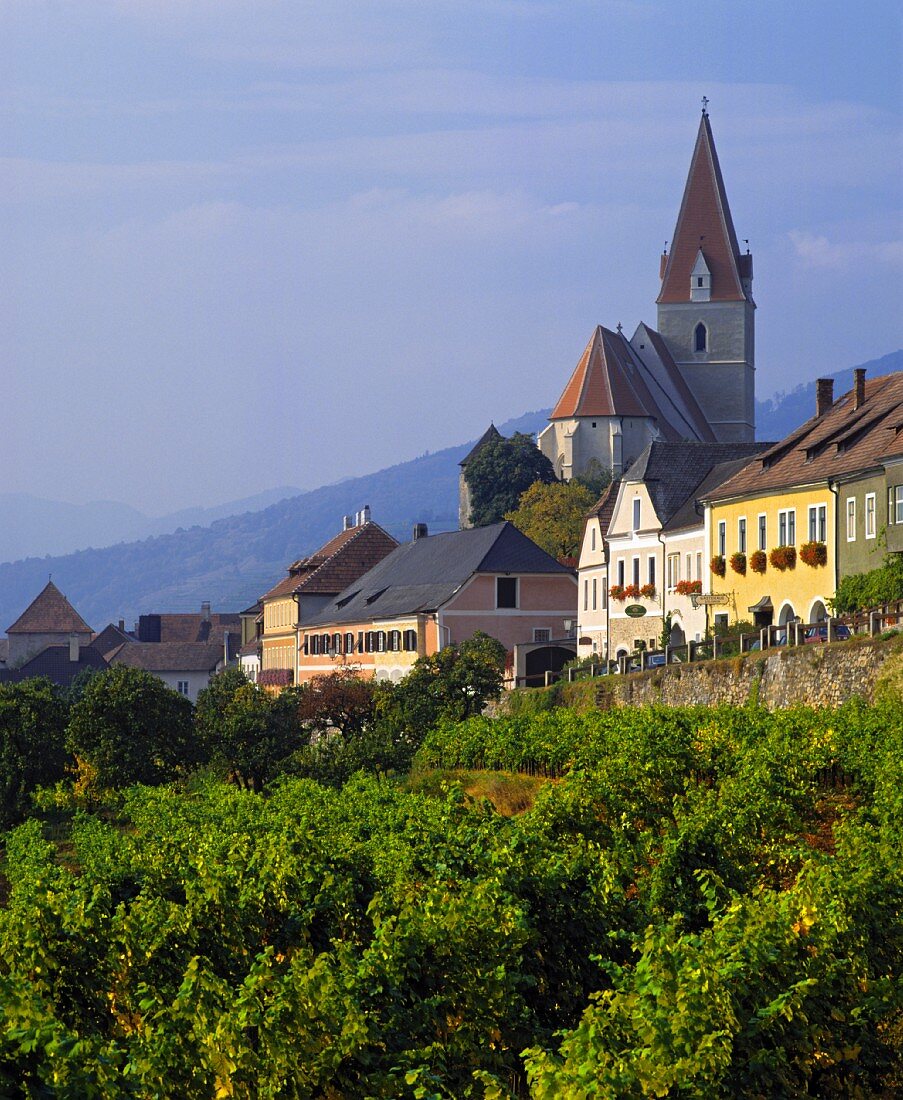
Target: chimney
point(205, 611)
point(824, 395)
point(858, 387)
point(420, 531)
point(365, 514)
point(347, 523)
point(73, 648)
point(122, 625)
point(227, 657)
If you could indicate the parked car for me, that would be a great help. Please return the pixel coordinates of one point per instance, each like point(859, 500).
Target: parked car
point(655, 660)
point(819, 633)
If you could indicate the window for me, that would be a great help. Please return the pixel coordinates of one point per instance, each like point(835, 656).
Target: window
point(651, 569)
point(722, 537)
point(594, 593)
point(898, 504)
point(700, 337)
point(689, 562)
point(394, 641)
point(542, 634)
point(818, 522)
point(673, 569)
point(586, 595)
point(890, 505)
point(721, 621)
point(636, 572)
point(313, 643)
point(698, 567)
point(763, 532)
point(349, 643)
point(360, 641)
point(506, 592)
point(182, 687)
point(621, 572)
point(592, 538)
point(604, 597)
point(699, 280)
point(851, 519)
point(337, 643)
point(787, 527)
point(380, 641)
point(870, 526)
point(410, 641)
point(369, 641)
point(636, 513)
point(741, 534)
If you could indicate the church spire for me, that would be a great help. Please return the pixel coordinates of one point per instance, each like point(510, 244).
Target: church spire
point(704, 226)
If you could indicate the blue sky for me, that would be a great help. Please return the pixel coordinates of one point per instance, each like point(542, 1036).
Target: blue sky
point(252, 244)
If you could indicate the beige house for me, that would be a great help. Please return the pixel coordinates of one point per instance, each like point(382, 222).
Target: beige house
point(49, 620)
point(641, 545)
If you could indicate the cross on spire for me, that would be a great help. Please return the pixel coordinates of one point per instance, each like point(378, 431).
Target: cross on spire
point(705, 103)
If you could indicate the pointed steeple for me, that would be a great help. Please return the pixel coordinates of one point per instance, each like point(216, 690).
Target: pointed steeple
point(704, 225)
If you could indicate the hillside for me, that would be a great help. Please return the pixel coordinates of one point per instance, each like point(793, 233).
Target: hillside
point(233, 560)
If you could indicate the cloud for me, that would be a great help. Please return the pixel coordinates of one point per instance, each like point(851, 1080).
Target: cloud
point(819, 253)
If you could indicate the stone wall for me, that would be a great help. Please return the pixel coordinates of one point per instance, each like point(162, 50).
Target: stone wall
point(817, 675)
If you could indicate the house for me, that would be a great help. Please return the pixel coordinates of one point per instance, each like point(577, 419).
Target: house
point(811, 508)
point(186, 667)
point(630, 573)
point(205, 628)
point(310, 585)
point(48, 620)
point(436, 590)
point(692, 377)
point(58, 663)
point(251, 641)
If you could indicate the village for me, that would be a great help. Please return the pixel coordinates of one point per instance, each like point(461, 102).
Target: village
point(701, 531)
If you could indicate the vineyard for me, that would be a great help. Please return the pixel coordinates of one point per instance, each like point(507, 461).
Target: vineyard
point(699, 903)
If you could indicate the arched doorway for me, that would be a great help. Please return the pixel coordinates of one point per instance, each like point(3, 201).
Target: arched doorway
point(818, 613)
point(550, 658)
point(677, 636)
point(787, 613)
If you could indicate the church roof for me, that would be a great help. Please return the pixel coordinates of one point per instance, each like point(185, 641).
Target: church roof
point(705, 224)
point(600, 384)
point(49, 613)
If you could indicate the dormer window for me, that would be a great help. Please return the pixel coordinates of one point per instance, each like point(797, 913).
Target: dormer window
point(700, 280)
point(700, 338)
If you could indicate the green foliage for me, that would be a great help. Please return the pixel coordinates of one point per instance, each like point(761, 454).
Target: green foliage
point(32, 744)
point(129, 727)
point(707, 902)
point(861, 591)
point(553, 515)
point(500, 472)
point(595, 478)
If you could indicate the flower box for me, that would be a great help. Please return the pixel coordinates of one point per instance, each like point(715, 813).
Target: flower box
point(276, 677)
point(738, 563)
point(717, 565)
point(631, 591)
point(648, 591)
point(814, 553)
point(688, 588)
point(783, 557)
point(616, 591)
point(758, 561)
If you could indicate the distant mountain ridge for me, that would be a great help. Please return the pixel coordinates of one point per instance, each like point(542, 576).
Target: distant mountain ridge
point(233, 560)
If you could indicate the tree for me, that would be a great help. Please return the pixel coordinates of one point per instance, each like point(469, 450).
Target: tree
point(595, 477)
point(862, 591)
point(454, 683)
point(129, 727)
point(247, 733)
point(339, 700)
point(32, 744)
point(553, 516)
point(500, 472)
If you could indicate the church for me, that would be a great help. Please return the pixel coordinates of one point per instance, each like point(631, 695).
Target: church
point(689, 378)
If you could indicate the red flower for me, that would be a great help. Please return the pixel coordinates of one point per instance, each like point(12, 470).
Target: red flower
point(717, 565)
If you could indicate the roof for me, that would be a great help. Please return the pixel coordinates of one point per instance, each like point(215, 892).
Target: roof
point(49, 613)
point(686, 515)
point(424, 574)
point(604, 507)
point(110, 638)
point(705, 224)
point(672, 472)
point(196, 627)
point(489, 436)
point(168, 656)
point(616, 378)
point(53, 662)
point(841, 442)
point(336, 564)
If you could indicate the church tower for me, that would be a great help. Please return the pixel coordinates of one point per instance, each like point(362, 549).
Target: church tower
point(706, 312)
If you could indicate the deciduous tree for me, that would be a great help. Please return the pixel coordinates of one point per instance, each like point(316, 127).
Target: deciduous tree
point(553, 516)
point(500, 472)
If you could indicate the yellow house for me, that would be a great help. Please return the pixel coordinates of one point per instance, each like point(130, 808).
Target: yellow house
point(779, 529)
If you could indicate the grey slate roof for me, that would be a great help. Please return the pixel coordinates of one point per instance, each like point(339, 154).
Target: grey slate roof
point(489, 436)
point(53, 662)
point(423, 575)
point(686, 515)
point(673, 471)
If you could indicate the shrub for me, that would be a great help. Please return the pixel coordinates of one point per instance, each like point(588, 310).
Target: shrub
point(717, 565)
point(814, 553)
point(738, 563)
point(783, 557)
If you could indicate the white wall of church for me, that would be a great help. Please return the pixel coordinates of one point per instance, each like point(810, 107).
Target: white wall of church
point(612, 441)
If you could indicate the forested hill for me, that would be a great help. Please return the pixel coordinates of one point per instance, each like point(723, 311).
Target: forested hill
point(235, 560)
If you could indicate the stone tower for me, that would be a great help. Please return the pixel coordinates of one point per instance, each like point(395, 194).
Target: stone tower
point(706, 312)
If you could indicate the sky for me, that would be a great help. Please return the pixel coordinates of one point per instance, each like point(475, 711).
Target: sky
point(275, 242)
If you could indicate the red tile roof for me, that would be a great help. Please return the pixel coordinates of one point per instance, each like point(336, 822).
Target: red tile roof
point(842, 441)
point(599, 385)
point(49, 613)
point(337, 564)
point(705, 222)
